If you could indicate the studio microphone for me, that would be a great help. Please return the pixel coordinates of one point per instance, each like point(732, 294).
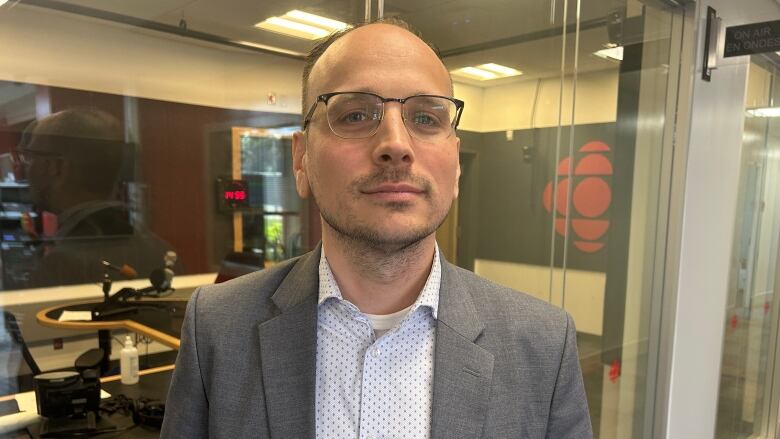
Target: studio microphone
point(125, 270)
point(161, 278)
point(157, 279)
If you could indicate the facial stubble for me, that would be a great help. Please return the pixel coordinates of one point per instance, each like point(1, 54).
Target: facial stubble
point(359, 233)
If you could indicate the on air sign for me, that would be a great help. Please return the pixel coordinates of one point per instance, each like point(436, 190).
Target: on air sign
point(753, 38)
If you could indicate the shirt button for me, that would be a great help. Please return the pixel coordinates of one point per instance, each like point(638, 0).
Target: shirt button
point(375, 353)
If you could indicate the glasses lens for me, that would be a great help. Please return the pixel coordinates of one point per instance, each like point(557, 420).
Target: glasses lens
point(429, 117)
point(354, 115)
point(27, 156)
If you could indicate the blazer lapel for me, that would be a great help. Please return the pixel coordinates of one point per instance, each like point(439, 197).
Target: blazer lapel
point(288, 352)
point(463, 371)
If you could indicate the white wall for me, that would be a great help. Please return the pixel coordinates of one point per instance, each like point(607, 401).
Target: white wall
point(584, 298)
point(511, 106)
point(45, 47)
point(471, 119)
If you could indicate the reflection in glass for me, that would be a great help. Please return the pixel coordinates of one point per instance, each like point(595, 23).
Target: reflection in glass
point(744, 399)
point(73, 162)
point(562, 173)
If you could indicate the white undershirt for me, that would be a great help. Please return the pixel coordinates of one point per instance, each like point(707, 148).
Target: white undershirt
point(385, 322)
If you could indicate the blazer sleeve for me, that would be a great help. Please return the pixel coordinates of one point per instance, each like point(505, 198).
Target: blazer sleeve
point(569, 415)
point(187, 407)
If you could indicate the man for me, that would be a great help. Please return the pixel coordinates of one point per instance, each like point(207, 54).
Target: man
point(373, 334)
point(73, 161)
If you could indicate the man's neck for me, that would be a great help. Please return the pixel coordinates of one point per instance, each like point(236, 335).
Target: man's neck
point(375, 280)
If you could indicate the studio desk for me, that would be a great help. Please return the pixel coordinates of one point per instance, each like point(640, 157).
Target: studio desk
point(158, 319)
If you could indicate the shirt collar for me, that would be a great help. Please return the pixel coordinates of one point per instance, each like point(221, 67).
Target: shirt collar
point(429, 295)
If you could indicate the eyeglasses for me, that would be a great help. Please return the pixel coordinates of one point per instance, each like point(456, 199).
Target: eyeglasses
point(26, 156)
point(356, 115)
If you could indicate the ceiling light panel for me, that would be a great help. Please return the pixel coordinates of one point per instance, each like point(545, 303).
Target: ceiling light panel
point(765, 112)
point(316, 20)
point(613, 53)
point(473, 72)
point(502, 71)
point(301, 24)
point(486, 72)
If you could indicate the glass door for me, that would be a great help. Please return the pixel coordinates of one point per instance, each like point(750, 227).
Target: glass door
point(565, 171)
point(748, 397)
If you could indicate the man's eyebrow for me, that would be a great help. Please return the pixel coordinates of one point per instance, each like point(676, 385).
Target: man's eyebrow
point(357, 89)
point(372, 91)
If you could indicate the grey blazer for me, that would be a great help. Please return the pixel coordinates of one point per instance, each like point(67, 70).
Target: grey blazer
point(506, 364)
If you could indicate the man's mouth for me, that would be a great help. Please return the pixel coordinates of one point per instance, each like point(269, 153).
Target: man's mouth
point(394, 188)
point(399, 192)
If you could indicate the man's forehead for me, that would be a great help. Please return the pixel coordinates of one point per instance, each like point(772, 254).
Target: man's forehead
point(373, 47)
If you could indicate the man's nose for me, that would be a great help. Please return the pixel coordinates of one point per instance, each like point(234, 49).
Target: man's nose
point(393, 143)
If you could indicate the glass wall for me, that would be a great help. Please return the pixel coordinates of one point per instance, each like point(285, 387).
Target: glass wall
point(562, 190)
point(120, 143)
point(746, 393)
point(564, 157)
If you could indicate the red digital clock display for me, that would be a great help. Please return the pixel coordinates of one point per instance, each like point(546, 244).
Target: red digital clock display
point(234, 194)
point(237, 195)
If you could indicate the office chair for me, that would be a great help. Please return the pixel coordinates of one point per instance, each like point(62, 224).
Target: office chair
point(17, 341)
point(237, 264)
point(17, 366)
point(14, 342)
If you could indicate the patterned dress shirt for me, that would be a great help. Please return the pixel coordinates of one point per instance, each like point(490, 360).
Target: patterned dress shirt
point(369, 387)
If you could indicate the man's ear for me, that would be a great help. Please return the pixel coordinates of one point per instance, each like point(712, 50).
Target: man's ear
point(456, 190)
point(299, 164)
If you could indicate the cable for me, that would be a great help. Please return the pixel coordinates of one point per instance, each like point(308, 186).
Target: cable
point(148, 412)
point(146, 341)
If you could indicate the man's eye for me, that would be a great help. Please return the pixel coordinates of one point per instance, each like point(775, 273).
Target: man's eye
point(356, 116)
point(425, 119)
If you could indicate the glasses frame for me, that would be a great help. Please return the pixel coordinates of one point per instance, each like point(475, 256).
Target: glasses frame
point(20, 154)
point(324, 98)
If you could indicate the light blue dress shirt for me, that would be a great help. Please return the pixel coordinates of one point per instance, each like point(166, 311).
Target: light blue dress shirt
point(371, 388)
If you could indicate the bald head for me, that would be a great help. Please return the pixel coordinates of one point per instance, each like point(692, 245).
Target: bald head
point(91, 138)
point(89, 148)
point(83, 123)
point(373, 43)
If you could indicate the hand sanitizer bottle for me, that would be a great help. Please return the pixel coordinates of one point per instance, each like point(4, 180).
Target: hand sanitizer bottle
point(128, 362)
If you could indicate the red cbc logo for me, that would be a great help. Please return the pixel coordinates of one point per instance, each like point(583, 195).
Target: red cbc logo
point(591, 197)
